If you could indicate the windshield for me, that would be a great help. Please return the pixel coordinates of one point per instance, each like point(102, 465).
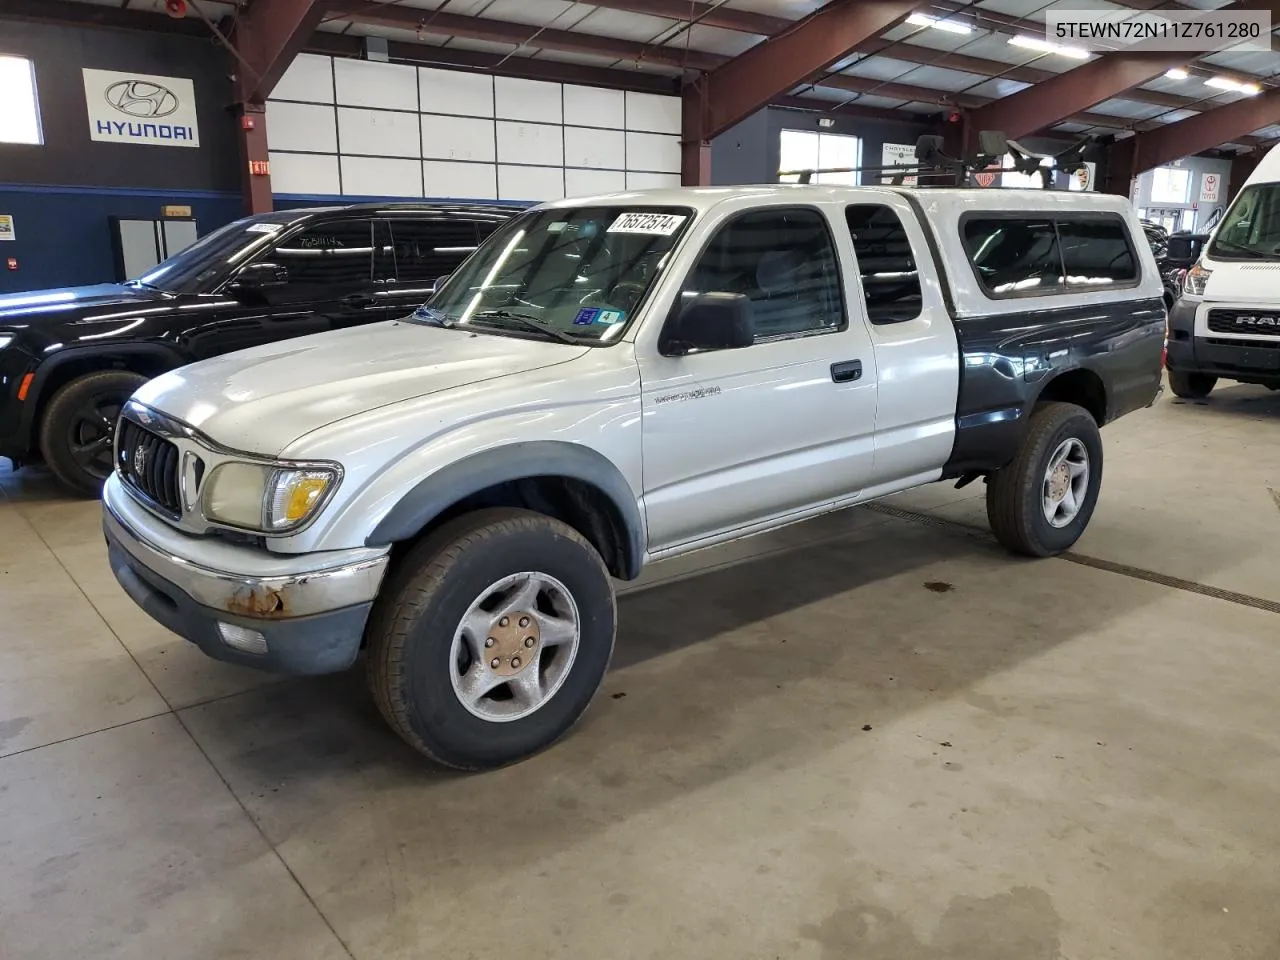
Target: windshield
point(1251, 228)
point(576, 274)
point(194, 269)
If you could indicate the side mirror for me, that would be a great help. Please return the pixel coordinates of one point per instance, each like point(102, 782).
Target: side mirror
point(440, 282)
point(259, 277)
point(710, 321)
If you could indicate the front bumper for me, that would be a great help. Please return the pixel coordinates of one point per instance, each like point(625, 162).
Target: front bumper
point(1251, 360)
point(309, 610)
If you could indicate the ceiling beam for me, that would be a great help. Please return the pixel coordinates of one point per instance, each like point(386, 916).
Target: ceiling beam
point(695, 11)
point(732, 92)
point(83, 14)
point(521, 34)
point(527, 68)
point(1102, 78)
point(1129, 157)
point(268, 35)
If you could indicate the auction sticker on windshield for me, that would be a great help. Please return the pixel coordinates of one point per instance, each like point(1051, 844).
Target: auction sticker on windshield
point(655, 224)
point(264, 228)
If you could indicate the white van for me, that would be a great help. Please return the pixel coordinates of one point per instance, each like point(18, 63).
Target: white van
point(1227, 321)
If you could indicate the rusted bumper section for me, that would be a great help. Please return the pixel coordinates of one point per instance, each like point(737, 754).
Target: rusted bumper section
point(259, 613)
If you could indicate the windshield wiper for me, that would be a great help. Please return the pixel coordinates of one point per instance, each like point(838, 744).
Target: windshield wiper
point(535, 324)
point(140, 285)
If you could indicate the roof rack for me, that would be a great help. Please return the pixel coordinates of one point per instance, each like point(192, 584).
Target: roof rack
point(945, 171)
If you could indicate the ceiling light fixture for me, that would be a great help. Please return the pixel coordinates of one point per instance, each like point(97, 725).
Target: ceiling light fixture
point(1234, 86)
point(1044, 46)
point(1177, 73)
point(948, 26)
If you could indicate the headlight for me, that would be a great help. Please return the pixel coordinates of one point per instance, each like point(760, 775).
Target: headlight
point(1196, 278)
point(265, 498)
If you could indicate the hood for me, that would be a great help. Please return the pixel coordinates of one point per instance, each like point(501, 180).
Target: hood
point(64, 301)
point(1253, 281)
point(262, 399)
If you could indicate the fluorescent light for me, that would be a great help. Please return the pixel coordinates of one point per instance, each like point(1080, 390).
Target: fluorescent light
point(1177, 73)
point(949, 26)
point(1235, 86)
point(1044, 46)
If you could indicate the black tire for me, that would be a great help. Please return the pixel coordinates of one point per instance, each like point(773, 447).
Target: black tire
point(411, 632)
point(1191, 386)
point(1015, 493)
point(78, 427)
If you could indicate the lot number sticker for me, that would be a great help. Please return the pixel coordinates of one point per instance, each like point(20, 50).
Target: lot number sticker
point(654, 224)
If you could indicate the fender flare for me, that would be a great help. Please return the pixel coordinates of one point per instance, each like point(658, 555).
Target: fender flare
point(436, 493)
point(155, 351)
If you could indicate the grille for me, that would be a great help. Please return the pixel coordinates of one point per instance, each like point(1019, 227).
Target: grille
point(1256, 323)
point(151, 465)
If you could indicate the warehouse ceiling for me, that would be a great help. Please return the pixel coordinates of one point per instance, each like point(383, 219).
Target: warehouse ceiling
point(947, 56)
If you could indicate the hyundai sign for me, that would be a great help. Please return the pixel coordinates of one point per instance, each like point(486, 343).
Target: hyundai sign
point(139, 108)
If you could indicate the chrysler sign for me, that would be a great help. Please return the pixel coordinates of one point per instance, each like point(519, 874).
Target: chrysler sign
point(142, 109)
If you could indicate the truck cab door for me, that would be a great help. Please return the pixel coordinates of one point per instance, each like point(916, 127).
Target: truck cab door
point(738, 437)
point(898, 290)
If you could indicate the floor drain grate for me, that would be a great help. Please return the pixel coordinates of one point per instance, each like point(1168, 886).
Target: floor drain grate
point(1109, 566)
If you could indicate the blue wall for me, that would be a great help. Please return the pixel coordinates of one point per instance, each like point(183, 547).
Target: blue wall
point(64, 236)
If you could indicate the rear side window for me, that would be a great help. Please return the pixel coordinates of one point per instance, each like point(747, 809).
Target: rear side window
point(890, 280)
point(1095, 252)
point(783, 260)
point(428, 249)
point(1039, 256)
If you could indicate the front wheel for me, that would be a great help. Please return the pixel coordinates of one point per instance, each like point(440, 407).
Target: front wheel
point(492, 638)
point(1191, 386)
point(1040, 503)
point(78, 428)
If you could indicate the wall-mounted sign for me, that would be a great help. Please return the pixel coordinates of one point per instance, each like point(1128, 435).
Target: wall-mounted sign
point(6, 227)
point(898, 155)
point(259, 168)
point(174, 210)
point(140, 108)
point(1210, 188)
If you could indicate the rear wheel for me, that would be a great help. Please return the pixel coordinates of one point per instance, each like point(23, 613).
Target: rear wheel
point(78, 427)
point(1191, 386)
point(1040, 504)
point(492, 638)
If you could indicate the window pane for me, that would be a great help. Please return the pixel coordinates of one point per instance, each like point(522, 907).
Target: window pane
point(783, 261)
point(1014, 256)
point(429, 249)
point(890, 282)
point(1170, 185)
point(1096, 253)
point(328, 258)
point(798, 150)
point(19, 109)
point(836, 151)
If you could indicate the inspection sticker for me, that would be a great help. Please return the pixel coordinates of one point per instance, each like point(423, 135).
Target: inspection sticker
point(586, 316)
point(611, 316)
point(655, 224)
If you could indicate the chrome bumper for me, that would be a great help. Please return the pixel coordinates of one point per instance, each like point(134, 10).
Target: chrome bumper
point(269, 587)
point(304, 614)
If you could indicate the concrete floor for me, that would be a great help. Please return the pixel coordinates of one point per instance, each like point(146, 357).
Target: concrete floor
point(865, 738)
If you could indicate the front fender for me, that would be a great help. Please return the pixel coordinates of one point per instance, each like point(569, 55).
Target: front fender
point(433, 495)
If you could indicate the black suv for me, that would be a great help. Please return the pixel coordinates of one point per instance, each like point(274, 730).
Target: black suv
point(70, 357)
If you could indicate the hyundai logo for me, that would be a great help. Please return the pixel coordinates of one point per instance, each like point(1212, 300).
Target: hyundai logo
point(141, 98)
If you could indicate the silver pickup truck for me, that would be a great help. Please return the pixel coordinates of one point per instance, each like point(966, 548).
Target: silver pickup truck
point(609, 382)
